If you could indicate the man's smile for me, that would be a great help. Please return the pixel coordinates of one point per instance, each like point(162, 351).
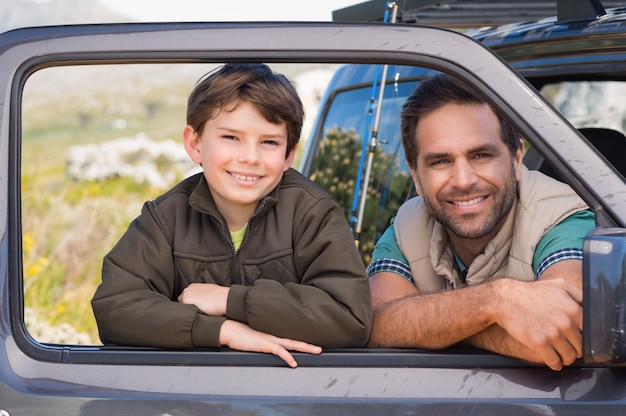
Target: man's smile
point(470, 202)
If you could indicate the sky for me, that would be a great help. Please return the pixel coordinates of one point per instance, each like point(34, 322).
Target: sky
point(229, 10)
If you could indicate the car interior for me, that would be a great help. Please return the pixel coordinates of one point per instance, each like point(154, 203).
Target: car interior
point(610, 143)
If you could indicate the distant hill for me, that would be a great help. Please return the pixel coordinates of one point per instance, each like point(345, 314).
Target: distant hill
point(23, 13)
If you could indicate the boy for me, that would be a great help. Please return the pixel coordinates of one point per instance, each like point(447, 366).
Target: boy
point(248, 254)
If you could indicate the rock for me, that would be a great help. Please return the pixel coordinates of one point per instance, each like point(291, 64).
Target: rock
point(156, 163)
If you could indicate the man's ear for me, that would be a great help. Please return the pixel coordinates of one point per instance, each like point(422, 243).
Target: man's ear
point(416, 181)
point(192, 144)
point(289, 160)
point(517, 163)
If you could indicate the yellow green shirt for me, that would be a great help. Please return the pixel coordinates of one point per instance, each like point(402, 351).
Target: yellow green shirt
point(237, 236)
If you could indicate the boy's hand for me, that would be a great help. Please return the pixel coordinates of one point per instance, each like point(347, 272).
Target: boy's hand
point(210, 298)
point(239, 336)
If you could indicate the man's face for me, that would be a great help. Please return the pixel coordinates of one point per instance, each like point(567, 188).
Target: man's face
point(464, 170)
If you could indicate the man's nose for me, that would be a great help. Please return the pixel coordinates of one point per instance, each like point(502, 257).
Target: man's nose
point(463, 174)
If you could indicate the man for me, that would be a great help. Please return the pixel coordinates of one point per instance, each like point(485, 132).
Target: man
point(490, 254)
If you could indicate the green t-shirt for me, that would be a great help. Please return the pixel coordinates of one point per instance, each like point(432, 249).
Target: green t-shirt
point(237, 237)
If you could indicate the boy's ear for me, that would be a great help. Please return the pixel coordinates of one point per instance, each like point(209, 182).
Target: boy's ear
point(192, 144)
point(289, 160)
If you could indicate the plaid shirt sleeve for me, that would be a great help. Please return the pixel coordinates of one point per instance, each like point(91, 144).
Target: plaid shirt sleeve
point(390, 265)
point(563, 242)
point(387, 256)
point(557, 256)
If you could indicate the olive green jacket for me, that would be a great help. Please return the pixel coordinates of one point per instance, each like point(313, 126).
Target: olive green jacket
point(297, 273)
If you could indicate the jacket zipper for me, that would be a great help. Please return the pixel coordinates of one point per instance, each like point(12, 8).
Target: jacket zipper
point(236, 280)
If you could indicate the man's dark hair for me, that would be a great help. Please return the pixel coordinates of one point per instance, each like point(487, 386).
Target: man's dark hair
point(436, 92)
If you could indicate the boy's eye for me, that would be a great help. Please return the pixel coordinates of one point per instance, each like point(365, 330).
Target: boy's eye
point(271, 142)
point(226, 136)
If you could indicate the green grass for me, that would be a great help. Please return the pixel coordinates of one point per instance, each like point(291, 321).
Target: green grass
point(67, 230)
point(68, 226)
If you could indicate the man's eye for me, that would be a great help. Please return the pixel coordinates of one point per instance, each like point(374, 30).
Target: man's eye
point(439, 162)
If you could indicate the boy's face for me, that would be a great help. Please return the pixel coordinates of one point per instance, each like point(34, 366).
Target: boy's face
point(242, 155)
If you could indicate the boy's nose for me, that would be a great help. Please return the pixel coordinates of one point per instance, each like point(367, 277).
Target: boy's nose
point(249, 153)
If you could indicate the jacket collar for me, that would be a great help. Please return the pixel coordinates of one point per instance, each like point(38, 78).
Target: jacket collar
point(202, 200)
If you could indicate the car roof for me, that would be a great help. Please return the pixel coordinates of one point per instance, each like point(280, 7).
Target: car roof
point(613, 21)
point(498, 22)
point(474, 13)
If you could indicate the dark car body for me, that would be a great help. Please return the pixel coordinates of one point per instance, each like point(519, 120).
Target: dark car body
point(68, 379)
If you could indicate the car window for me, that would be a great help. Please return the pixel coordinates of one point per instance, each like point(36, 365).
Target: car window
point(97, 142)
point(598, 111)
point(342, 157)
point(590, 103)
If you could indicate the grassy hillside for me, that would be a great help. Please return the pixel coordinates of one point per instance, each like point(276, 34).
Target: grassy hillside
point(68, 225)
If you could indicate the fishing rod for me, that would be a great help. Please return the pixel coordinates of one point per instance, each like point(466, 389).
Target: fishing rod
point(359, 178)
point(390, 169)
point(366, 132)
point(374, 140)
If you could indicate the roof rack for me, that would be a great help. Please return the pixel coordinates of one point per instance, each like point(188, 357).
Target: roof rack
point(579, 9)
point(474, 13)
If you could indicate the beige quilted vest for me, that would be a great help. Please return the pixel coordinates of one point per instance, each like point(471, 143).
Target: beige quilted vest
point(542, 203)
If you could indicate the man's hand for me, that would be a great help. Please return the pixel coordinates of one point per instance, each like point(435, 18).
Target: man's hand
point(239, 336)
point(545, 316)
point(210, 298)
point(538, 322)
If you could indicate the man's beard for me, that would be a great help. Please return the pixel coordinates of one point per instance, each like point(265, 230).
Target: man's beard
point(466, 226)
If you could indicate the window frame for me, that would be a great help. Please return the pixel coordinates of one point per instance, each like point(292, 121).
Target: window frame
point(27, 50)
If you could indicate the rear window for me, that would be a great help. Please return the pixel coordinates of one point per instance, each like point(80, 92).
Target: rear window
point(342, 155)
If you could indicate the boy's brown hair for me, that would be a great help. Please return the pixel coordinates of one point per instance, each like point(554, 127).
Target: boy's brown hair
point(271, 93)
